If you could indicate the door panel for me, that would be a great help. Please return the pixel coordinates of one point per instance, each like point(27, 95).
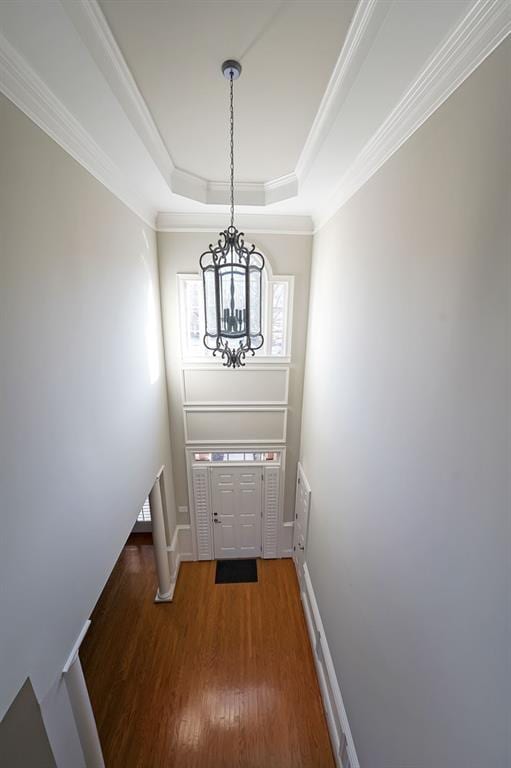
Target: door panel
point(247, 535)
point(236, 512)
point(227, 538)
point(224, 514)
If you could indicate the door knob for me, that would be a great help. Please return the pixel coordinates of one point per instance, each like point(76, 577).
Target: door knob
point(300, 546)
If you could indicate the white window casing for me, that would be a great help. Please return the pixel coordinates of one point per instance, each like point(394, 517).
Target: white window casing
point(277, 296)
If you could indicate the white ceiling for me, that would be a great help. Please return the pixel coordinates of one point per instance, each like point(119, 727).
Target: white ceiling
point(288, 50)
point(329, 90)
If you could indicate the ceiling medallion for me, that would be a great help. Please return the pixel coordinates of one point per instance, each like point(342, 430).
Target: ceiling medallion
point(232, 276)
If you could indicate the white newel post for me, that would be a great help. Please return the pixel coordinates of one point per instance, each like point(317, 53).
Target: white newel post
point(82, 708)
point(160, 544)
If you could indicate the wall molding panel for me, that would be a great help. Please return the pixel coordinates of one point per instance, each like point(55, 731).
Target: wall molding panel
point(208, 385)
point(286, 539)
point(340, 733)
point(233, 425)
point(180, 551)
point(184, 539)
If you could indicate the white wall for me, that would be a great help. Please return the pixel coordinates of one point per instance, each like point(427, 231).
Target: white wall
point(83, 407)
point(406, 440)
point(179, 252)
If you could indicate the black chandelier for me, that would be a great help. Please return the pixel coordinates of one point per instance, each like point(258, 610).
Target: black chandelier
point(232, 280)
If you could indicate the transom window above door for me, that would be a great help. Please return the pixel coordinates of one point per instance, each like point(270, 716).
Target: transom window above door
point(277, 297)
point(236, 456)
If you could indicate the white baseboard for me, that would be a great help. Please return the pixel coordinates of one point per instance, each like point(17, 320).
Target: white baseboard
point(286, 539)
point(337, 719)
point(179, 551)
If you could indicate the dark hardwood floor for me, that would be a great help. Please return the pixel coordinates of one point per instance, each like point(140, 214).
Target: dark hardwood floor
point(221, 677)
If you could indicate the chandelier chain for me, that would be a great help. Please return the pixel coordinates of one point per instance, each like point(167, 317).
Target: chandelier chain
point(232, 146)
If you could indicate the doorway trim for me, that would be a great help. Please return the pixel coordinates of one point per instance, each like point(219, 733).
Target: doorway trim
point(267, 521)
point(237, 501)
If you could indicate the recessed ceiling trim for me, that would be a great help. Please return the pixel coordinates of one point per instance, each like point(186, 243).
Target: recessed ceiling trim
point(23, 86)
point(365, 24)
point(91, 24)
point(280, 224)
point(482, 29)
point(247, 192)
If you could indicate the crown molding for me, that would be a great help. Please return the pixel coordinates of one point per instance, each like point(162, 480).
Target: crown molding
point(23, 86)
point(281, 189)
point(481, 30)
point(366, 22)
point(466, 45)
point(280, 224)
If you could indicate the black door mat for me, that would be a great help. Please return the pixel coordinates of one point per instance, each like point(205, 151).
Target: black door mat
point(236, 571)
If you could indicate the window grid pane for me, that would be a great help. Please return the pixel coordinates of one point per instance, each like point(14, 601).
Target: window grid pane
point(193, 316)
point(278, 319)
point(276, 293)
point(238, 457)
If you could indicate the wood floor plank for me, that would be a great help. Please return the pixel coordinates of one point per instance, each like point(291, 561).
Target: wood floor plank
point(222, 677)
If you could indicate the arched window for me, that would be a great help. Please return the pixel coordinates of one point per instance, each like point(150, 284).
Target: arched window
point(277, 297)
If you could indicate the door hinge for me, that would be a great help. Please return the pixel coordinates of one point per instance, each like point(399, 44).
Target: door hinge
point(262, 476)
point(298, 481)
point(294, 549)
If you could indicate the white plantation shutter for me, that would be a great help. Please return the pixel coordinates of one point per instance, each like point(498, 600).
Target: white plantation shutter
point(202, 505)
point(144, 516)
point(271, 505)
point(143, 522)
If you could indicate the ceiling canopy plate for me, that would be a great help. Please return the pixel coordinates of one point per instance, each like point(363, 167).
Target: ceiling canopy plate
point(231, 68)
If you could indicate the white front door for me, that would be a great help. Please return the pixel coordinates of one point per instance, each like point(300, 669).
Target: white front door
point(237, 510)
point(302, 505)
